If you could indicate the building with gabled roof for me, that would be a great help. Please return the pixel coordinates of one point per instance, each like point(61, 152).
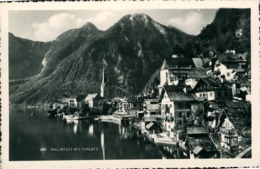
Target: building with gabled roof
point(175, 105)
point(211, 89)
point(233, 122)
point(93, 99)
point(174, 70)
point(230, 65)
point(199, 143)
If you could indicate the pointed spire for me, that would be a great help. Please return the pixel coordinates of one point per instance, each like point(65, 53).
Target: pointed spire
point(103, 82)
point(164, 65)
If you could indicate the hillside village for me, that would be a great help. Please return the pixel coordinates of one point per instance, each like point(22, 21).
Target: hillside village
point(201, 105)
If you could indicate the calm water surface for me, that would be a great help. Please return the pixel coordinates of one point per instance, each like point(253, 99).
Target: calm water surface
point(82, 140)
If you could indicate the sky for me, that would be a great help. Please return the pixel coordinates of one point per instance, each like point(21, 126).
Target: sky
point(46, 25)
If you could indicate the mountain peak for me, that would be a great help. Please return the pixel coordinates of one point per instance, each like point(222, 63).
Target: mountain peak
point(89, 26)
point(139, 17)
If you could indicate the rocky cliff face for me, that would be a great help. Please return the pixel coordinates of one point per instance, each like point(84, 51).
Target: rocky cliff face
point(133, 49)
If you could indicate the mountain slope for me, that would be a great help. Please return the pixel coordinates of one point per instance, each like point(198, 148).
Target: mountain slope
point(25, 57)
point(133, 49)
point(220, 35)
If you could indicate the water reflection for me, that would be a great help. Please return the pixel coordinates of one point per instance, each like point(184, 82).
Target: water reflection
point(75, 128)
point(113, 141)
point(91, 130)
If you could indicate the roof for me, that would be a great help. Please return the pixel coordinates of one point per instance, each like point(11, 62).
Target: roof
point(148, 126)
point(196, 130)
point(153, 107)
point(197, 150)
point(239, 118)
point(133, 100)
point(217, 104)
point(170, 63)
point(91, 96)
point(199, 73)
point(147, 119)
point(236, 105)
point(203, 142)
point(198, 62)
point(151, 101)
point(211, 82)
point(176, 93)
point(231, 57)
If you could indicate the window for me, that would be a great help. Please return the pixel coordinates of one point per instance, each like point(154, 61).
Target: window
point(226, 140)
point(170, 105)
point(200, 95)
point(180, 105)
point(226, 94)
point(187, 105)
point(228, 74)
point(180, 114)
point(72, 103)
point(210, 94)
point(188, 114)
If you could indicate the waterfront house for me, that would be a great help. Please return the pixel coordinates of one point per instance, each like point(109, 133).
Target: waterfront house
point(199, 143)
point(69, 101)
point(211, 89)
point(151, 107)
point(121, 104)
point(134, 104)
point(93, 99)
point(175, 105)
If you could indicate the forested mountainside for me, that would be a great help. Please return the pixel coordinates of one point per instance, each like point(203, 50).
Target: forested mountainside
point(132, 49)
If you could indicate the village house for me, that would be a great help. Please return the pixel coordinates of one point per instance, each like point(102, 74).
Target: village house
point(211, 89)
point(92, 100)
point(229, 66)
point(121, 104)
point(69, 101)
point(199, 143)
point(177, 69)
point(151, 107)
point(235, 125)
point(175, 105)
point(194, 76)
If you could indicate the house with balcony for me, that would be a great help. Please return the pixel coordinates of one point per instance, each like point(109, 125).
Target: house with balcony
point(151, 107)
point(175, 105)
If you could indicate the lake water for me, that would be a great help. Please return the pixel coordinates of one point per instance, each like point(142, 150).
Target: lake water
point(42, 138)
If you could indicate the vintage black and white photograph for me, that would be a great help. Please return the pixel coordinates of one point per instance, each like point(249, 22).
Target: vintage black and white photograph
point(135, 84)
